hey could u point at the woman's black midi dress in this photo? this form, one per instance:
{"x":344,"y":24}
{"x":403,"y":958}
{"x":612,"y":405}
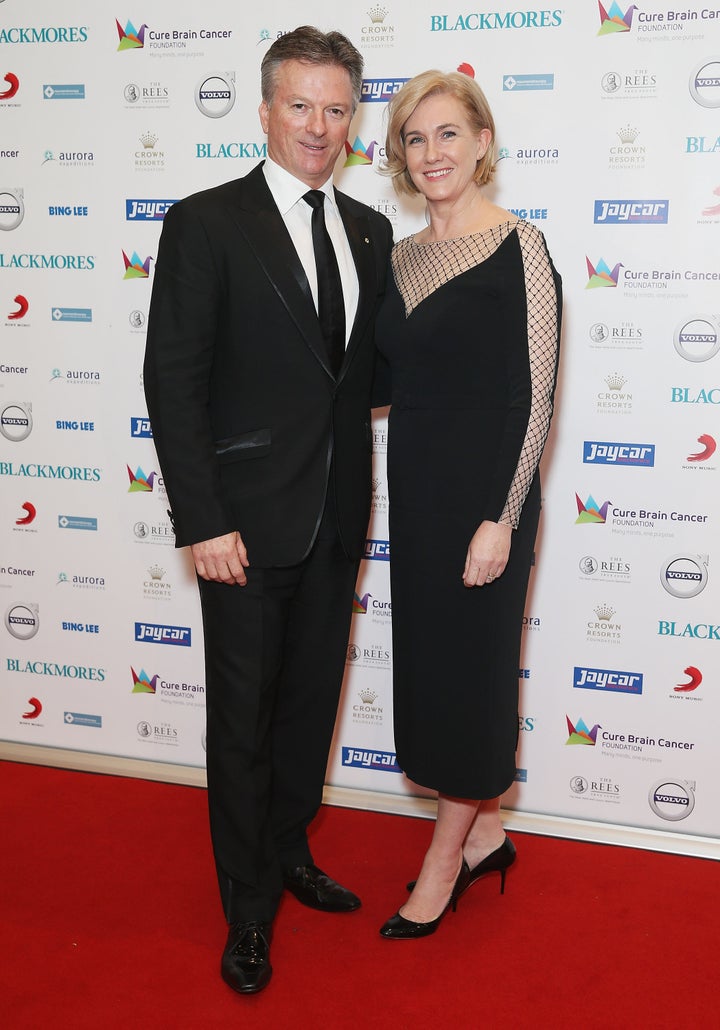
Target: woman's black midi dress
{"x":470,"y":331}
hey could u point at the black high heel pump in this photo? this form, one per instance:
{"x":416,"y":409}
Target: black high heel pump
{"x":399,"y":928}
{"x":498,"y":861}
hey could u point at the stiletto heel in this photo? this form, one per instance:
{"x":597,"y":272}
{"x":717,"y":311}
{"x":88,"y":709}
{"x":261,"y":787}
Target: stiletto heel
{"x":399,"y":928}
{"x":498,"y":861}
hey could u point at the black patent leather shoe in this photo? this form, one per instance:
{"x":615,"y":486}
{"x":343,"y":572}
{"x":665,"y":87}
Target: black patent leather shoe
{"x":399,"y":928}
{"x":314,"y":888}
{"x":246,"y":959}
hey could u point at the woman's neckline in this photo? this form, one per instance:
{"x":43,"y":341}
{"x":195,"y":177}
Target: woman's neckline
{"x":466,"y":236}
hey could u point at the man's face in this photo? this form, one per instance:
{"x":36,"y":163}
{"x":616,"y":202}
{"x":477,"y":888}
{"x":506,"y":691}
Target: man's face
{"x":307,"y":123}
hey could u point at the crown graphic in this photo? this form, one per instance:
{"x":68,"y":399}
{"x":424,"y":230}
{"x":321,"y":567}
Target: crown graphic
{"x":628,"y":134}
{"x":377,"y":14}
{"x":604,"y":612}
{"x":156,"y":572}
{"x":366,"y":695}
{"x":148,"y":140}
{"x":615,"y":381}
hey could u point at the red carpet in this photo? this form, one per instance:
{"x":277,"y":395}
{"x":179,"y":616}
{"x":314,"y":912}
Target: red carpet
{"x":110,"y":919}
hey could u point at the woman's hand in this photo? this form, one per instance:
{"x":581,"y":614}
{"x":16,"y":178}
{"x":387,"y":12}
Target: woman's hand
{"x":487,"y":554}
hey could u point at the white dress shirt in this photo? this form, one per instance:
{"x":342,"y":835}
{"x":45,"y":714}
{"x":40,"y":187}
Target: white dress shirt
{"x":287,"y":192}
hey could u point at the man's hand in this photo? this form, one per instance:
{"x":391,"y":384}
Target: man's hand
{"x":222,"y":559}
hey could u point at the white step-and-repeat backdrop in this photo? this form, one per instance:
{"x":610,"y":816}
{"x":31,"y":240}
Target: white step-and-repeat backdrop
{"x":608,"y":140}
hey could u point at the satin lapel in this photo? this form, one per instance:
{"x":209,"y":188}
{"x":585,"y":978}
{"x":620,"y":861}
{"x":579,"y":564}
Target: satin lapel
{"x":360,"y":240}
{"x":256,"y":216}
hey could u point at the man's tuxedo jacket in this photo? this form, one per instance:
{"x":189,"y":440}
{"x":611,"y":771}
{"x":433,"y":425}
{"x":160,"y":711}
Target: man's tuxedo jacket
{"x":245,"y":412}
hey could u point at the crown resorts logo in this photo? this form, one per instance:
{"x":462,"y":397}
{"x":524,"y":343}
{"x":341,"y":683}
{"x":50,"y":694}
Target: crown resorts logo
{"x":130,"y":37}
{"x":591,"y":512}
{"x":600,"y":275}
{"x":627,"y":153}
{"x":142,"y":683}
{"x":580,"y":734}
{"x":139,"y":482}
{"x":135,"y":267}
{"x":603,"y":630}
{"x":628,"y":134}
{"x":613,"y":20}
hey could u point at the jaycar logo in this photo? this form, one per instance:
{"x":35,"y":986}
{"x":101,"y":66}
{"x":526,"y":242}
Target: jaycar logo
{"x":154,"y":633}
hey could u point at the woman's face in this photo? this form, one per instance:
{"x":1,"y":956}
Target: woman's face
{"x":442,"y":149}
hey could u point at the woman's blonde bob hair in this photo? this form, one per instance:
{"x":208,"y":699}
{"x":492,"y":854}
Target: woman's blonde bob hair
{"x":430,"y":84}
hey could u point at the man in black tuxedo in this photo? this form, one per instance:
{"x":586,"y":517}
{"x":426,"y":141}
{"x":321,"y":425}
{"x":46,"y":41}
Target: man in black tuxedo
{"x":264,"y":440}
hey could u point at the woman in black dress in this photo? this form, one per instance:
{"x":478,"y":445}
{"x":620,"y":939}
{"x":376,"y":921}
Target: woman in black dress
{"x":470,"y":331}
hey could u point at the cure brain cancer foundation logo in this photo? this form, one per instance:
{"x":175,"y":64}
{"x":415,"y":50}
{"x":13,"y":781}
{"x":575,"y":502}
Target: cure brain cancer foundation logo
{"x":614,"y":20}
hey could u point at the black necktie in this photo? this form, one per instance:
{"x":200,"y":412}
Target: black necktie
{"x":331,"y":306}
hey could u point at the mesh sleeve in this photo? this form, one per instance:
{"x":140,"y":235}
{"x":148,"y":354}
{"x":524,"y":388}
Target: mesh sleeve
{"x":542,"y":288}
